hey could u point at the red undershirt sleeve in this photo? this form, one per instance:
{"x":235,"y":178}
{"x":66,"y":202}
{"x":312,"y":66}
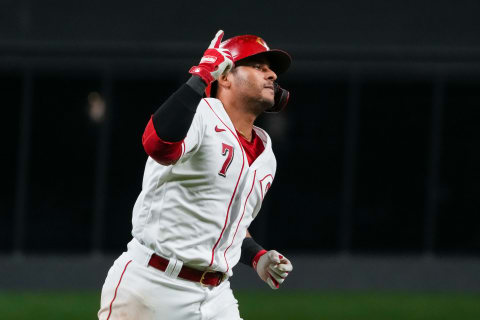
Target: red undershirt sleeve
{"x":164,"y":152}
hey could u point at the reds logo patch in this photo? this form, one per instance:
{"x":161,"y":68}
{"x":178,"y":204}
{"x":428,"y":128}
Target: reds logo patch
{"x":208,"y":59}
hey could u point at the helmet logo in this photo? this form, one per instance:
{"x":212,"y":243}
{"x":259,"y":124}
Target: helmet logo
{"x":262,"y":43}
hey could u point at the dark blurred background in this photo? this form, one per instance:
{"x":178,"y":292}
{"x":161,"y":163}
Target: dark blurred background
{"x":377,"y":152}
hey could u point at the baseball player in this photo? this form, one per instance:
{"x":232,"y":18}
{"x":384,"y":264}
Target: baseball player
{"x":208,"y":171}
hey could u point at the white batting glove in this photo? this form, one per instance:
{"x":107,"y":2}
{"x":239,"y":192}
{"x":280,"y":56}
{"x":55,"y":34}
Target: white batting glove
{"x":272,"y":267}
{"x":215,"y":61}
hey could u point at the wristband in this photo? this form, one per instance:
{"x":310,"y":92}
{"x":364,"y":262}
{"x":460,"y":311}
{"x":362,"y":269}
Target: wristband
{"x":250,"y":250}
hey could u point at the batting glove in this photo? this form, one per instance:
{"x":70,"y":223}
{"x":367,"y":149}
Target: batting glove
{"x":215,"y":61}
{"x":272,"y":267}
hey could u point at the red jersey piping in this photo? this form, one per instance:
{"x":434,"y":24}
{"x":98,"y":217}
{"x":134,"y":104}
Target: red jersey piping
{"x":115,"y":296}
{"x":235,"y":190}
{"x":244,"y":207}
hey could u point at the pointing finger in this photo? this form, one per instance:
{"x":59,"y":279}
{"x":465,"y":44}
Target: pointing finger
{"x":217,"y":40}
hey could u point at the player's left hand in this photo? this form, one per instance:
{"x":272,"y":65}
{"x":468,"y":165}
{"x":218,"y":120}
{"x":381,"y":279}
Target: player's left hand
{"x":272,"y":267}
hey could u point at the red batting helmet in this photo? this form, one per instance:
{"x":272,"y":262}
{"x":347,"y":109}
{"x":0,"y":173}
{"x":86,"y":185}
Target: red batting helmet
{"x":246,"y":46}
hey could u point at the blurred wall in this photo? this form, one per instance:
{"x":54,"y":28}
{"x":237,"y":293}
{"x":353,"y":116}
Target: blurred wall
{"x":377,"y":152}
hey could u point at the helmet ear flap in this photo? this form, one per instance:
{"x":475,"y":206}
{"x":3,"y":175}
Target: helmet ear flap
{"x":281,"y":99}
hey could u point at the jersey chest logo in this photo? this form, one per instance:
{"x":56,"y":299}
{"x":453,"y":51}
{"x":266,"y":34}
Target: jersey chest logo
{"x":217,"y":129}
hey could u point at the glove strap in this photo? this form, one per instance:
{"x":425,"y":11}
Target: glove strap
{"x":257,"y":257}
{"x":202,"y":73}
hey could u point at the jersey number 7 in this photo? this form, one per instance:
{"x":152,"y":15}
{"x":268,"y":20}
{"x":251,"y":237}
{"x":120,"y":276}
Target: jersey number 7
{"x":227,"y":150}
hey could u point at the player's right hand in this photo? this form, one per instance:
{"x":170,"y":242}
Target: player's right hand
{"x":215,"y":61}
{"x":272,"y":267}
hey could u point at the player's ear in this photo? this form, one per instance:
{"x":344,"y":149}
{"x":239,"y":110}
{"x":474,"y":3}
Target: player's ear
{"x":225,"y":80}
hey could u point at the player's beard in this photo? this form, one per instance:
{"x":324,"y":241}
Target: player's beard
{"x":255,"y":101}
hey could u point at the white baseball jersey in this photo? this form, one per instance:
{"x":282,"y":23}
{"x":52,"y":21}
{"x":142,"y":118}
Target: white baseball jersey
{"x":198,"y":209}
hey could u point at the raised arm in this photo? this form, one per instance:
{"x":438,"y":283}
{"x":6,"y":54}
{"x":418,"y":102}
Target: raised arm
{"x":168,"y":126}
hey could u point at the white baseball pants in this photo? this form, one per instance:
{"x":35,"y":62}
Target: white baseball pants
{"x":134,"y":290}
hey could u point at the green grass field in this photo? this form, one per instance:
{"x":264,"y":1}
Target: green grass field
{"x":268,"y":305}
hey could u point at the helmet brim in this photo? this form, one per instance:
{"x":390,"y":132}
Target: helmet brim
{"x":279,"y":60}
